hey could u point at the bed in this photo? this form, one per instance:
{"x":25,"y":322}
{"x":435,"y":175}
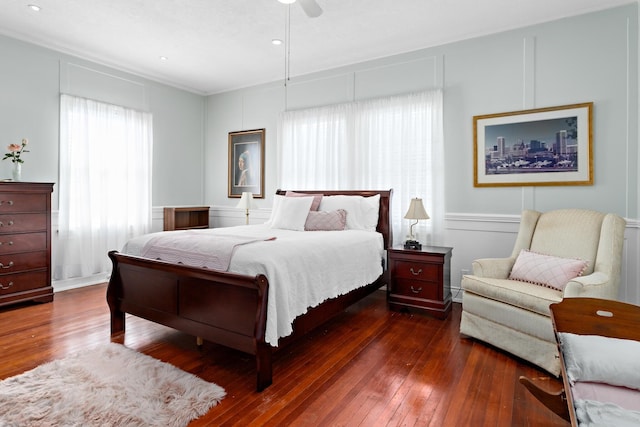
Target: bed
{"x":232,"y":308}
{"x":599,"y":346}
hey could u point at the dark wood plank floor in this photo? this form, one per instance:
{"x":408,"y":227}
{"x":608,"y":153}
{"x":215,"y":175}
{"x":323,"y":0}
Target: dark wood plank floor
{"x":366,"y":367}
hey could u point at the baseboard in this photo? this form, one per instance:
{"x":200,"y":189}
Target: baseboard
{"x":79,"y":282}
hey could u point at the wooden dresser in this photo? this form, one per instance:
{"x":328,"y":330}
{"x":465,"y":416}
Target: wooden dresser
{"x":25,"y":242}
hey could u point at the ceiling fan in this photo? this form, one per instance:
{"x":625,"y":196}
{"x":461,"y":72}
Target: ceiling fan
{"x":310,"y":7}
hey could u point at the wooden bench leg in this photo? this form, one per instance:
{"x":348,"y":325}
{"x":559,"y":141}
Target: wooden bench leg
{"x":557,"y":402}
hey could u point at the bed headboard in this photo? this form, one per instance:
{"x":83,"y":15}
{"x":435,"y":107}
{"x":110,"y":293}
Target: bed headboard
{"x":384,"y":216}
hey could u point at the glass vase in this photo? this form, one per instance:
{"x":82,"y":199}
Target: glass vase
{"x":17,"y":171}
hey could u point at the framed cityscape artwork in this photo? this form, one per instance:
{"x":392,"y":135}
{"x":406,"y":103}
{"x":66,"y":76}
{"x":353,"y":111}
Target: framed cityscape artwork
{"x":544,"y":146}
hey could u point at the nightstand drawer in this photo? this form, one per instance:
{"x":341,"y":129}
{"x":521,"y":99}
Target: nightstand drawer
{"x":415,"y":289}
{"x":416,"y":270}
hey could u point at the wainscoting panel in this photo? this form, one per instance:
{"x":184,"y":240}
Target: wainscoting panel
{"x":472,"y":236}
{"x":491,"y":236}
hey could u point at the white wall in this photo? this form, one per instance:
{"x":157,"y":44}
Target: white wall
{"x":589,"y":58}
{"x":31,"y":79}
{"x":592,"y":57}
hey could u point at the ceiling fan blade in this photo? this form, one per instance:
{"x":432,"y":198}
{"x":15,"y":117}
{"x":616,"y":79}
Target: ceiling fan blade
{"x":311,"y":8}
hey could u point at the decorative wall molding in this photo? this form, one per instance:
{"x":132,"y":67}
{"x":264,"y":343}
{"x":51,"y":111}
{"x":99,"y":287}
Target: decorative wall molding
{"x":472,"y":236}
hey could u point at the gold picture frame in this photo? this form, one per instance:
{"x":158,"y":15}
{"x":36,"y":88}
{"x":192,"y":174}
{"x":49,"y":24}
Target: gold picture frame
{"x":246,"y":163}
{"x":538,"y":147}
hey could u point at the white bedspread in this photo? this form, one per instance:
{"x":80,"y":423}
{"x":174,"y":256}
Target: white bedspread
{"x":304,"y":268}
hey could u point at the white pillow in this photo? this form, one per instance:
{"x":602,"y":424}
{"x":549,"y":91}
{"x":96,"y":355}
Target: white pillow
{"x":290,"y":213}
{"x":601,"y":359}
{"x":362,"y":212}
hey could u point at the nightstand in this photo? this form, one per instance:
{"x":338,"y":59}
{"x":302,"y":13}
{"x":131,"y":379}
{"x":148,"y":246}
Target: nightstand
{"x":186,"y":217}
{"x":420,"y":279}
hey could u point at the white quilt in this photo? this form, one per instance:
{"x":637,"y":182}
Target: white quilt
{"x":304,"y":268}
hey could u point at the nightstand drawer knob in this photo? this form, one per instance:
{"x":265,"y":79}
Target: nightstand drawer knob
{"x":6,"y":287}
{"x":415,"y":273}
{"x":416,"y":291}
{"x":6,"y":266}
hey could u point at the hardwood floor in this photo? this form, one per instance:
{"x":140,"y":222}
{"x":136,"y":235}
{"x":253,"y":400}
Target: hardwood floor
{"x":367,"y":366}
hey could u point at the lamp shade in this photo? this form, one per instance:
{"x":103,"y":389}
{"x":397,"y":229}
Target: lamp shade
{"x":246,"y":201}
{"x":416,"y":210}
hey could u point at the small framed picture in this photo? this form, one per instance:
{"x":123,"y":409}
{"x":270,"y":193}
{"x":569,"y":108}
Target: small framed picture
{"x":545,"y":146}
{"x":246,"y":163}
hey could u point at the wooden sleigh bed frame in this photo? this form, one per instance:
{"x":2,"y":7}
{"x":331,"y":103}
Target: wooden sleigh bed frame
{"x":221,"y":307}
{"x":584,"y":316}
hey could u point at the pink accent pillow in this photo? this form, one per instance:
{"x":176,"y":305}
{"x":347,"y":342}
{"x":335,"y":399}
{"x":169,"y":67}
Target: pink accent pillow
{"x":326,"y":221}
{"x":546,"y":270}
{"x":317,"y":198}
{"x":624,"y":397}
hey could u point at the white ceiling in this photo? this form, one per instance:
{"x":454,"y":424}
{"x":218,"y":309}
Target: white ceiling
{"x":218,"y":45}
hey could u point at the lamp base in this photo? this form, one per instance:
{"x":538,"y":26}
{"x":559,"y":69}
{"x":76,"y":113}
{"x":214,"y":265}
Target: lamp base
{"x":412,"y":244}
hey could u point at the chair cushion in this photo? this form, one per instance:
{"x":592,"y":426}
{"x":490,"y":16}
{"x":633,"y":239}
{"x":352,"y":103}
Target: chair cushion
{"x":514,"y":292}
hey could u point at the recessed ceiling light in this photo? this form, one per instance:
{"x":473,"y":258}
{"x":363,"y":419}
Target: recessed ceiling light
{"x":287,"y":1}
{"x":34,"y":7}
{"x":163,"y":58}
{"x":276,"y":42}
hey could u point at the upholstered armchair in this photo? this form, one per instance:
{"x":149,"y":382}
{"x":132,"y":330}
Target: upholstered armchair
{"x":514,"y":315}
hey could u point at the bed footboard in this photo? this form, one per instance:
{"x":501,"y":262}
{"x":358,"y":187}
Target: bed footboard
{"x":225,"y":308}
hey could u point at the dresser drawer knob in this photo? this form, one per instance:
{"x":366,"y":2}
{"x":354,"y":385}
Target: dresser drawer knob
{"x":6,"y":266}
{"x":10,"y":202}
{"x":415,"y":273}
{"x":10,"y":243}
{"x":6,"y":287}
{"x":416,"y":291}
{"x":2,"y":224}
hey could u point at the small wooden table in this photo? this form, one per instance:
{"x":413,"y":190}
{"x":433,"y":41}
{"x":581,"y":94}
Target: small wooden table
{"x":420,"y":279}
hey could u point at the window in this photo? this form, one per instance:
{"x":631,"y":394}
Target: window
{"x":393,"y":142}
{"x":105,"y":183}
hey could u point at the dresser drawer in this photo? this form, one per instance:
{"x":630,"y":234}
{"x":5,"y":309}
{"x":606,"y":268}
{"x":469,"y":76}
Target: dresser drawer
{"x":24,"y":261}
{"x":17,"y":223}
{"x":26,"y":242}
{"x":19,"y":282}
{"x":416,"y":270}
{"x":16,"y":202}
{"x":415,"y":289}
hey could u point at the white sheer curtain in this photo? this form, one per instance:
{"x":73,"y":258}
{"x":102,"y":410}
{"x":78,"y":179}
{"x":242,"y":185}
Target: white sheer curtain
{"x":394,"y":142}
{"x":105,"y":183}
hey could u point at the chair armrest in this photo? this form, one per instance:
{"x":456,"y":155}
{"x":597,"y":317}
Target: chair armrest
{"x":594,"y":285}
{"x":496,"y":268}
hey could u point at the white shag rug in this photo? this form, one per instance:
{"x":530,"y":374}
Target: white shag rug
{"x":107,"y":386}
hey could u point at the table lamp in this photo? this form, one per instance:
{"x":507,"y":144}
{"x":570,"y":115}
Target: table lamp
{"x":246,"y":203}
{"x":416,"y":211}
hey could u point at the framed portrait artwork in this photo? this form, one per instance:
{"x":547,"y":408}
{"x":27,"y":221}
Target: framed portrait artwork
{"x":545,"y":146}
{"x":246,"y":163}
